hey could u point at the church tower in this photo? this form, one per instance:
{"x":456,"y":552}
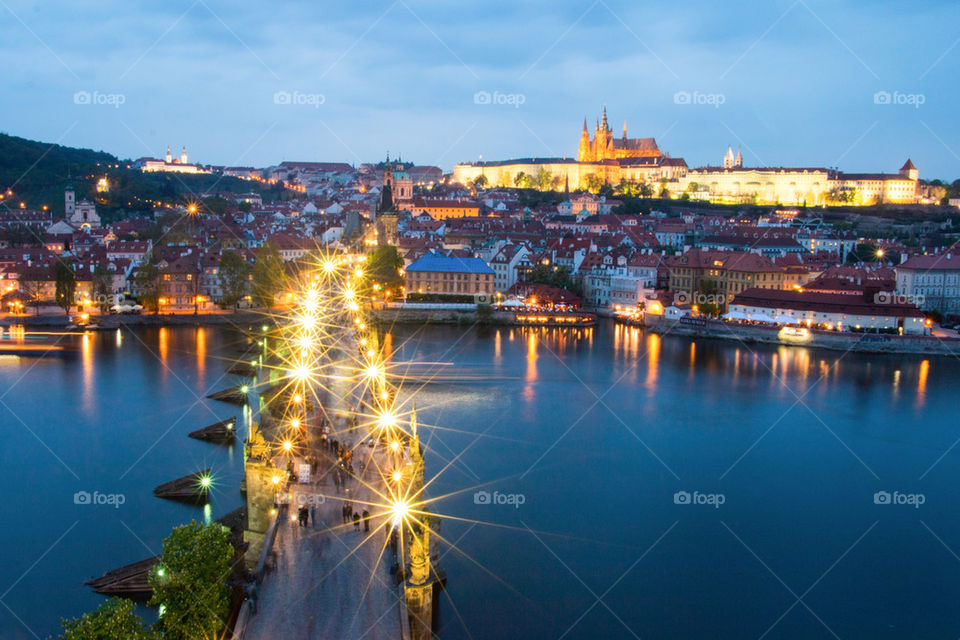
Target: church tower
{"x":739,"y":161}
{"x":69,"y":201}
{"x":169,"y":157}
{"x":728,"y":159}
{"x":183,"y":156}
{"x":584,"y":155}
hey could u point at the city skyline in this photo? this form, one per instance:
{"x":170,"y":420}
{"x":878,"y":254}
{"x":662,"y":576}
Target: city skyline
{"x":848,"y":85}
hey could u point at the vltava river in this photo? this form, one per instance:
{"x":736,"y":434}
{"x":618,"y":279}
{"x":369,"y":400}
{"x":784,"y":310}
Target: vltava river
{"x":606,"y":484}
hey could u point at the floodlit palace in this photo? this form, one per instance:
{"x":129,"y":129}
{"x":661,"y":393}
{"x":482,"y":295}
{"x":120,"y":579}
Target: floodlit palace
{"x":604,"y":158}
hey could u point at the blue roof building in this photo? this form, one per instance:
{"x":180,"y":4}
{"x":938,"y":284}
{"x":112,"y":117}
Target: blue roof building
{"x":437,"y":273}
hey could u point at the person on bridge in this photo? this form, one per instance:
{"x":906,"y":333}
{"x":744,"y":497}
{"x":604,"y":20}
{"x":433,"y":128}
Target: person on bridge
{"x":313,"y":515}
{"x":356,"y":521}
{"x":345,"y":512}
{"x":366,"y":520}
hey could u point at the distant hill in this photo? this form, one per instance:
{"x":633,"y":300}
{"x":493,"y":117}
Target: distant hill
{"x":38,"y":172}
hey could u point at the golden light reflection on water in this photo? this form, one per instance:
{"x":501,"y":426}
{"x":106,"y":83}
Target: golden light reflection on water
{"x":163,"y":346}
{"x":653,"y":359}
{"x":497,"y":348}
{"x":201,"y":354}
{"x":86,"y":356}
{"x":531,"y":357}
{"x":922,"y":381}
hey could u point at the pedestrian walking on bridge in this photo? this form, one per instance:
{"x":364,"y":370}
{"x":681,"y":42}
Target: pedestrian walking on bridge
{"x":356,"y":521}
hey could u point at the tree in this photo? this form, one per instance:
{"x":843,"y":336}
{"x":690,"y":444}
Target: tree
{"x":480,"y":182}
{"x":112,"y":619}
{"x":102,"y":287}
{"x":189,"y":582}
{"x":234,"y":275}
{"x":148,"y":285}
{"x":65,"y":282}
{"x":268,"y":272}
{"x":543,"y":180}
{"x":594,"y":182}
{"x":383,"y":267}
{"x":521,"y":180}
{"x":245,"y":206}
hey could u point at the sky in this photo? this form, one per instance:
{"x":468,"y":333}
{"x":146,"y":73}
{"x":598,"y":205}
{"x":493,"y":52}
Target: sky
{"x":857,"y":84}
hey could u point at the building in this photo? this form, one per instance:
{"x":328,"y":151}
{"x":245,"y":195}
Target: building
{"x":441,"y":209}
{"x":80,"y":215}
{"x":702,"y":277}
{"x":798,"y":185}
{"x":437,"y":273}
{"x":932,"y":282}
{"x":869,"y":310}
{"x":169,"y":164}
{"x":603,"y":146}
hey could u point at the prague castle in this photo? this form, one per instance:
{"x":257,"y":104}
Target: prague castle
{"x":602,"y":159}
{"x":605,"y":159}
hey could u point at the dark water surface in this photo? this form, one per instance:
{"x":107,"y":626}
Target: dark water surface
{"x":587,"y":441}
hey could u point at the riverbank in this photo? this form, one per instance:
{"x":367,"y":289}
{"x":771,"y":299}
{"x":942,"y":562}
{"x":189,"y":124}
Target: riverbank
{"x":107,"y":322}
{"x":460,"y":314}
{"x":772,"y":334}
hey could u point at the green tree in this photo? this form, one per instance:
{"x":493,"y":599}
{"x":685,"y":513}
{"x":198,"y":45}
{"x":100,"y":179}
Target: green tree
{"x":148,"y":285}
{"x":383,"y":268}
{"x":543,"y":180}
{"x":189,"y":582}
{"x":268,"y":272}
{"x":102,"y":287}
{"x":65,"y":282}
{"x":594,"y":183}
{"x":234,"y":275}
{"x":480,"y":182}
{"x":521,"y":180}
{"x":111,"y":620}
{"x":245,"y":206}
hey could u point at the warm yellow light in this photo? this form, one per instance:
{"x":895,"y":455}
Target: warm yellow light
{"x":386,"y":418}
{"x":397,"y":476}
{"x":295,"y":423}
{"x":399,"y":509}
{"x":395,"y":445}
{"x":287,"y":445}
{"x":276,"y":479}
{"x":297,"y":399}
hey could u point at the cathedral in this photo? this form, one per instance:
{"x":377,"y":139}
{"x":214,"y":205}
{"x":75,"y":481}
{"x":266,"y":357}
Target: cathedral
{"x":604,"y":146}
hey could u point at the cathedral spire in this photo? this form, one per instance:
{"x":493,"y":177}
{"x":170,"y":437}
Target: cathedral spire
{"x":624,"y":129}
{"x":585,"y":124}
{"x":603,"y":123}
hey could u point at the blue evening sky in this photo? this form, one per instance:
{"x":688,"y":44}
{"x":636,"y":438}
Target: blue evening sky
{"x":858,"y":84}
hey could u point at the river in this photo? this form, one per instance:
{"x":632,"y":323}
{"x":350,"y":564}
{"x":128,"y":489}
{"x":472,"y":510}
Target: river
{"x":592,"y":483}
